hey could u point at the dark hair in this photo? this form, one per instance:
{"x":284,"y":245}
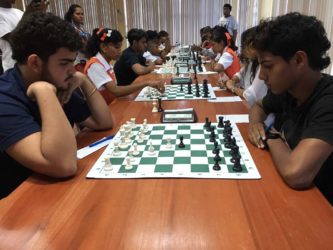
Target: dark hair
{"x":247,"y":38}
{"x":102,"y":36}
{"x":163,"y":33}
{"x":220,"y":34}
{"x":227,"y":6}
{"x":287,"y":34}
{"x":152,"y":35}
{"x":69,"y":14}
{"x":42,"y":34}
{"x":135,"y":35}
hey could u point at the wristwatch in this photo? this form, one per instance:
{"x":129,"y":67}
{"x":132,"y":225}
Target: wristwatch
{"x":272,"y":136}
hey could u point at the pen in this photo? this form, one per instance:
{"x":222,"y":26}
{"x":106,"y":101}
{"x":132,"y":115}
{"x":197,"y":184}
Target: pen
{"x":101,"y":140}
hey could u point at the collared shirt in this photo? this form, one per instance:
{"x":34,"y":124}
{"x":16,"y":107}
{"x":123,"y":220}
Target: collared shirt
{"x":19,"y":118}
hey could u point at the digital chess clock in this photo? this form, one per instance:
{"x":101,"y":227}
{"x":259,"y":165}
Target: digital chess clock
{"x":179,"y":116}
{"x":181,"y":80}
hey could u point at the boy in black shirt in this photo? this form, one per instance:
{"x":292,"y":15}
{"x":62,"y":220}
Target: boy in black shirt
{"x":131,"y":63}
{"x":292,"y":52}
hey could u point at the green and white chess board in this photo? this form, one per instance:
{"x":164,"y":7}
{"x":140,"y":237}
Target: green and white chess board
{"x":173,"y":70}
{"x":173,"y":92}
{"x":167,"y":160}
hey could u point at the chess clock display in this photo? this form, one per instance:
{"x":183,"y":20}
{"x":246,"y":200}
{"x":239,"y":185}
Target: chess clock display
{"x":181,"y":80}
{"x":179,"y":116}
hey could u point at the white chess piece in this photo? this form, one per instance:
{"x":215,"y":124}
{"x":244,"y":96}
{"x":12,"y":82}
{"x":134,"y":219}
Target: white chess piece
{"x":128,"y":165}
{"x":136,"y":152}
{"x":154,"y":110}
{"x":130,"y":155}
{"x":123,"y":144}
{"x":107,"y":165}
{"x":133,"y":122}
{"x":116,"y":151}
{"x":151,"y":149}
{"x":168,"y":145}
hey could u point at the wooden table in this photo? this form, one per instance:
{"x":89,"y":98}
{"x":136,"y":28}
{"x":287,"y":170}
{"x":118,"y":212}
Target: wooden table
{"x":80,"y":213}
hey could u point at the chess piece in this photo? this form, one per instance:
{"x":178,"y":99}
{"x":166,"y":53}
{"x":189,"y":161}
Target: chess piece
{"x":160,"y":109}
{"x":154,"y":110}
{"x":116,"y":151}
{"x":136,"y":152}
{"x":220,"y":124}
{"x":151,"y":149}
{"x":189,"y":89}
{"x":177,"y":71}
{"x":234,"y":158}
{"x":130,"y":155}
{"x":107,"y":164}
{"x":212,"y":136}
{"x":181,"y":144}
{"x":206,"y":122}
{"x":128,"y":165}
{"x":168,"y":145}
{"x":237,"y":166}
{"x":123,"y":144}
{"x":181,"y":87}
{"x":217,"y":155}
{"x":197,"y":93}
{"x":217,"y":166}
{"x":209,"y":127}
{"x":216,"y":146}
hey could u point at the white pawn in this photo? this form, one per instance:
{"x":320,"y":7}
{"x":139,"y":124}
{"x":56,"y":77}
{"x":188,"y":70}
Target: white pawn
{"x":168,"y":145}
{"x":133,"y":122}
{"x":128,"y":165}
{"x":136,"y":152}
{"x":140,"y":138}
{"x":116,"y":151}
{"x":154,"y":110}
{"x":151,"y":149}
{"x":123,"y":144}
{"x":107,"y":164}
{"x":130,"y":155}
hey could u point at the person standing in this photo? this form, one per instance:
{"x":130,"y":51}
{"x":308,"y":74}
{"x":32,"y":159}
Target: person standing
{"x":228,"y":21}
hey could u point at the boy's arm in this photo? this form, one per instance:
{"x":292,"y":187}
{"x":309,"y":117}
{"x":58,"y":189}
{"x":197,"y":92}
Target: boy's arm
{"x":52,"y":151}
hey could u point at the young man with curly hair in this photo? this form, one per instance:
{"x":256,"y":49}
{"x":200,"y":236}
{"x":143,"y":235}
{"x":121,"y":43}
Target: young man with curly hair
{"x":39,"y":102}
{"x":292,"y":51}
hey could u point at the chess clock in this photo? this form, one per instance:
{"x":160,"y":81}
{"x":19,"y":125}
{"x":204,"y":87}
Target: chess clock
{"x":179,"y":116}
{"x":181,"y":80}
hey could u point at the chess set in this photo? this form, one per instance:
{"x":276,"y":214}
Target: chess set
{"x":199,"y":150}
{"x":178,"y":92}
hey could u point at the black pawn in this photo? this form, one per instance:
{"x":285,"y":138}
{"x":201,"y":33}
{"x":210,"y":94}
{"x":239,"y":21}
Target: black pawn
{"x":205,"y":91}
{"x":217,"y":155}
{"x":181,"y":87}
{"x":220,"y":124}
{"x":181,"y":144}
{"x":216,"y":146}
{"x":237,"y":166}
{"x":160,"y":109}
{"x":177,"y":71}
{"x":197,"y":93}
{"x":209,"y":127}
{"x":206,"y":122}
{"x":212,"y":136}
{"x":216,"y":166}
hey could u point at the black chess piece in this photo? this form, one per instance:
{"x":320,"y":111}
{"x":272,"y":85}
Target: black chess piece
{"x":181,"y":87}
{"x":196,"y":86}
{"x":205,"y":93}
{"x":237,"y":166}
{"x":220,"y":124}
{"x":227,"y":141}
{"x":234,"y":150}
{"x":216,"y":166}
{"x":189,"y":89}
{"x":217,"y":155}
{"x":234,"y":158}
{"x":209,"y":127}
{"x":160,"y":109}
{"x":216,"y":146}
{"x":206,"y":122}
{"x":181,"y":144}
{"x":197,"y":93}
{"x":233,"y":141}
{"x":212,"y":136}
{"x":177,"y":71}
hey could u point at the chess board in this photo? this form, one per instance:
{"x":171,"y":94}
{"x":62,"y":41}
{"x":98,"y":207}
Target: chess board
{"x":173,"y":92}
{"x":195,"y":160}
{"x":182,"y":70}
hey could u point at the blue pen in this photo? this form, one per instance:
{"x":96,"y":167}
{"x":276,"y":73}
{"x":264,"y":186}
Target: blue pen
{"x":102,"y":140}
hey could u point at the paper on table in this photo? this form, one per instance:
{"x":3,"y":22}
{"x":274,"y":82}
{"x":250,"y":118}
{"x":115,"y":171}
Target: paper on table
{"x":226,"y":99}
{"x":216,"y":88}
{"x":83,"y":152}
{"x":235,"y":118}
